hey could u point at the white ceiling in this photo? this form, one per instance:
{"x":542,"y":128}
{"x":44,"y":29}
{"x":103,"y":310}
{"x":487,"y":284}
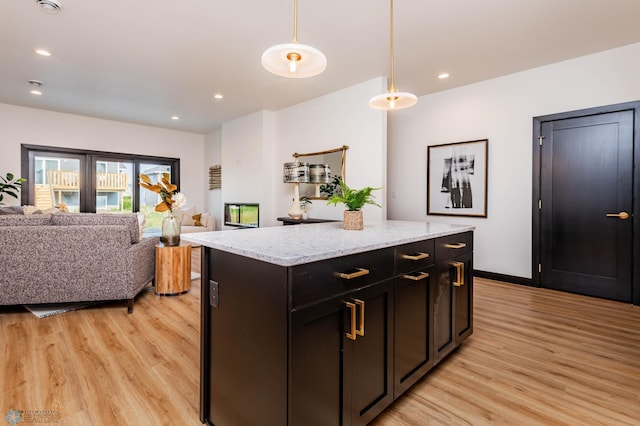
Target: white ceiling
{"x":142,"y":61}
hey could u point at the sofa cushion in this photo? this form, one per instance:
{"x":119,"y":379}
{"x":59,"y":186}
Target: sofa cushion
{"x":25,"y":220}
{"x":130,"y":220}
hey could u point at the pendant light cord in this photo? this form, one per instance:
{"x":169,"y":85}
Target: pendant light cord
{"x":392,"y":88}
{"x":295,"y":21}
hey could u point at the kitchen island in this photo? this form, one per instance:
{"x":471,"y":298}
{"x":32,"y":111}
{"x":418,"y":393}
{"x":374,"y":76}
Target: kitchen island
{"x":314,"y":325}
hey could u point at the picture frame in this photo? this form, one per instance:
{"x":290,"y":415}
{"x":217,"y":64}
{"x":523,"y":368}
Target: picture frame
{"x":457,"y":179}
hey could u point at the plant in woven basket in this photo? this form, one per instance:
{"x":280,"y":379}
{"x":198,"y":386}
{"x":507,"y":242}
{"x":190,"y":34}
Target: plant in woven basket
{"x":353,"y":199}
{"x":10,"y":185}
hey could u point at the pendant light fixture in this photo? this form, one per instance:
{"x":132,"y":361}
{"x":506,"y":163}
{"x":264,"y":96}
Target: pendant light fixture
{"x":294,"y":60}
{"x":393,"y":99}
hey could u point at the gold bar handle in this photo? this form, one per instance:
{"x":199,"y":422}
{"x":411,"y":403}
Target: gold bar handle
{"x":621,"y":215}
{"x":459,"y":282}
{"x":456,"y":245}
{"x":419,"y":276}
{"x":415,"y":256}
{"x":360,"y":329}
{"x":355,"y":274}
{"x":353,"y":334}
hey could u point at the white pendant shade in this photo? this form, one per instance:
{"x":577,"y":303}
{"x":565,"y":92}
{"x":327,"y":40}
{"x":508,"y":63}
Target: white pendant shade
{"x":393,"y":100}
{"x":294,"y":60}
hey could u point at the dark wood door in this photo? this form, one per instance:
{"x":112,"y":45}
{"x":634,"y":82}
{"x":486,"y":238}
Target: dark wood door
{"x":586,"y":205}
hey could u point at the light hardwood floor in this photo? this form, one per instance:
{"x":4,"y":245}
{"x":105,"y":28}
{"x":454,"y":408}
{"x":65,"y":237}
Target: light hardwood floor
{"x":536,"y":357}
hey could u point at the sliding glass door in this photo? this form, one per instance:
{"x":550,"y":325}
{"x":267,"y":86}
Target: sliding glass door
{"x":93,"y":181}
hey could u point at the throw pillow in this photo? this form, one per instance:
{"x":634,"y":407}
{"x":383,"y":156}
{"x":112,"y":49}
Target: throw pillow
{"x":11,"y":210}
{"x":30,"y":210}
{"x":142,"y":219}
{"x":187,"y":216}
{"x":196,"y":219}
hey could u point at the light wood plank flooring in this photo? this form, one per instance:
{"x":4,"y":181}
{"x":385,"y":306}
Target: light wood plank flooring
{"x":537,"y":357}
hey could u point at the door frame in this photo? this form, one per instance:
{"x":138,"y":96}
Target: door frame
{"x":536,"y":183}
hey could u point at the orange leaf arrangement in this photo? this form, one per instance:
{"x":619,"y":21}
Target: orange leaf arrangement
{"x":171,"y":198}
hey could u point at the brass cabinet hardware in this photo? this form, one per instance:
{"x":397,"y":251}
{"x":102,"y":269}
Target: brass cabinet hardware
{"x":353,"y":333}
{"x":360,"y":329}
{"x":358,"y":272}
{"x":418,"y":277}
{"x":459,"y":272}
{"x":621,"y":215}
{"x":456,"y":245}
{"x":415,"y":256}
{"x":356,"y":327}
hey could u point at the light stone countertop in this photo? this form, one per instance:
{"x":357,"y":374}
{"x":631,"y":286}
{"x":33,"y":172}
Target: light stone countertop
{"x":299,"y":244}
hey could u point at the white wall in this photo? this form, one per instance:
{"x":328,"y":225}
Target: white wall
{"x":39,"y":127}
{"x":255,"y":147}
{"x":501,"y":110}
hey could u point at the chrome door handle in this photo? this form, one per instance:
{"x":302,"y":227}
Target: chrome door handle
{"x":621,"y":215}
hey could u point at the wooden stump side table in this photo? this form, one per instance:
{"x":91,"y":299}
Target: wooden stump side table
{"x":173,"y":269}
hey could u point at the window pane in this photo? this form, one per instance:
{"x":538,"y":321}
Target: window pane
{"x":114,"y":180}
{"x":57,"y":180}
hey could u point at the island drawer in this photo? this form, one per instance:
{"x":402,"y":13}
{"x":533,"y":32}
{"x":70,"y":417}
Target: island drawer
{"x":317,"y":281}
{"x":413,"y":256}
{"x":453,"y":245}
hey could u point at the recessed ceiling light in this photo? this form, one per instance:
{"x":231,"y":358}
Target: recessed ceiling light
{"x":35,"y":92}
{"x":175,"y":117}
{"x":43,"y":52}
{"x":49,"y":6}
{"x":218,"y":96}
{"x":443,"y":75}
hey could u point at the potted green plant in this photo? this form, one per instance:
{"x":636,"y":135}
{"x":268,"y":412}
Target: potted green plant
{"x":354,"y":200}
{"x":10,"y":185}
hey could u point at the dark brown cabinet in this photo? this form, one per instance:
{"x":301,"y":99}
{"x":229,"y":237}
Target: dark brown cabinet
{"x":332,"y":342}
{"x":413,"y":349}
{"x":452,"y":293}
{"x":341,"y":358}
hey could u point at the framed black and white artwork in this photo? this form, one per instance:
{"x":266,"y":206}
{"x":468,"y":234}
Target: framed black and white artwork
{"x":457,"y":179}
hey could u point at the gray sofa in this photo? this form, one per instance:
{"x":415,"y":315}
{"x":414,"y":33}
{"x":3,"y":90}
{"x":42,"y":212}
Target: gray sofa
{"x":73,"y":257}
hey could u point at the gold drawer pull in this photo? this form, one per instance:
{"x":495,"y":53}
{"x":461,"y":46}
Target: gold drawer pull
{"x":352,"y":307}
{"x":360,"y":330}
{"x":358,"y":272}
{"x":459,"y":282}
{"x":415,"y":256}
{"x":418,"y":277}
{"x":456,"y":245}
{"x":357,"y":327}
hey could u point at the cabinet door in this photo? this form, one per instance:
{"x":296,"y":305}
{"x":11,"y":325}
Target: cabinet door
{"x":413,"y":348}
{"x":336,"y":379}
{"x":463,"y":297}
{"x":315,"y":382}
{"x":368,"y":360}
{"x":442,"y":296}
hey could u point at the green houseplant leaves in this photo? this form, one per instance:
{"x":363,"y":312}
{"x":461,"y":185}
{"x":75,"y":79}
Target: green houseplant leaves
{"x":353,"y":199}
{"x":10,"y":185}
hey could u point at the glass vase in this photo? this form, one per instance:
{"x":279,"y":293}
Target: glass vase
{"x":171,"y":230}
